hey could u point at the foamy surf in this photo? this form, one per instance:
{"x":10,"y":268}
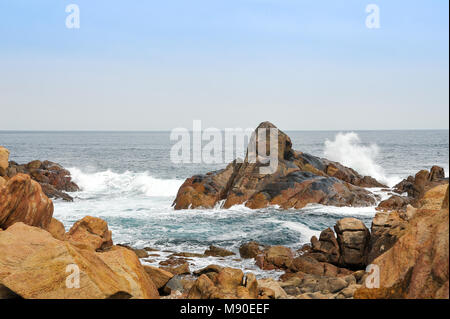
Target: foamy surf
{"x":127,"y":182}
{"x":348,"y":150}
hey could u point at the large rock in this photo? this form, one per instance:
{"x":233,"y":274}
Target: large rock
{"x":275,"y":257}
{"x":387,"y":228}
{"x":90,"y":233}
{"x":228,"y":283}
{"x":159,"y":276}
{"x":53,"y":178}
{"x":416,"y":266}
{"x":297,"y":180}
{"x":326,"y":246}
{"x":353,"y":238}
{"x":33,"y":264}
{"x":250,"y":250}
{"x":22,"y":200}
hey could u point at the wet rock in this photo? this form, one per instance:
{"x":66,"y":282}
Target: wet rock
{"x":218,"y":252}
{"x":53,"y":178}
{"x":188,"y":255}
{"x":208,"y":269}
{"x":250,"y":250}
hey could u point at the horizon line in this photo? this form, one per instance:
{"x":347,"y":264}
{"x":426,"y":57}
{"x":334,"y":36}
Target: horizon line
{"x":190,"y":130}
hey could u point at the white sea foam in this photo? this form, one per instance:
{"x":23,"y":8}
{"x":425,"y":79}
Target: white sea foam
{"x":305,"y":232}
{"x":348,"y":150}
{"x":127,"y":182}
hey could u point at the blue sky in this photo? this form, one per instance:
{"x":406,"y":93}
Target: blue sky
{"x":152,"y":65}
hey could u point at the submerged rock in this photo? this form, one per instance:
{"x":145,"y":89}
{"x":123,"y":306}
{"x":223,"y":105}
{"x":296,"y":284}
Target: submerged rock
{"x":297,"y":180}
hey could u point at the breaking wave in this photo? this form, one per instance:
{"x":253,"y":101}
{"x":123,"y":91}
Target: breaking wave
{"x":348,"y":149}
{"x":109,"y":182}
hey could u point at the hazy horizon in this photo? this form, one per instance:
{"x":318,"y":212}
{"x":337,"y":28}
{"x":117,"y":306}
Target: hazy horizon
{"x":156,"y":66}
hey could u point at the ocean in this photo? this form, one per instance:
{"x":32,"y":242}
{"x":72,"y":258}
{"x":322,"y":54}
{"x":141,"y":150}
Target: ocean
{"x":128,"y":179}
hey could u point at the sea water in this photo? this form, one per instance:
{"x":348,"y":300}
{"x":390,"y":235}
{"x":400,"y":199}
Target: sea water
{"x":128,"y":179}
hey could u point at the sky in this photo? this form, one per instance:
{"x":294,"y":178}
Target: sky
{"x":159,"y":65}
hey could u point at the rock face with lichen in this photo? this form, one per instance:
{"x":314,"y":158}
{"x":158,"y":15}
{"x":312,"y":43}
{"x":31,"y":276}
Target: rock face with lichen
{"x":297,"y":180}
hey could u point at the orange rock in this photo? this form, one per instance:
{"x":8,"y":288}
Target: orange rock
{"x":22,"y":200}
{"x":56,"y":228}
{"x":124,"y":263}
{"x":33,"y":264}
{"x":4,"y":158}
{"x":275,"y":257}
{"x":228,"y":283}
{"x":159,"y":276}
{"x":90,"y":232}
{"x":433,"y":199}
{"x":416,"y":266}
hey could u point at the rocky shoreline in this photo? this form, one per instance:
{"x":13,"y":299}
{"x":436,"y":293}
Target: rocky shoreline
{"x":407,"y":241}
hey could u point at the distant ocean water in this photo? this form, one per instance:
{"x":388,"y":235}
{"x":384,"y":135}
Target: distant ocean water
{"x":127,"y":179}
